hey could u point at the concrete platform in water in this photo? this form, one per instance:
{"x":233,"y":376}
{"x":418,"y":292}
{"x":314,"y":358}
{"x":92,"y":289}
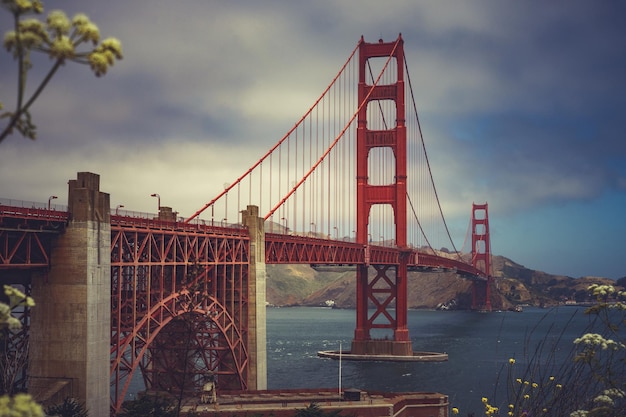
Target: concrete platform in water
{"x":416,"y":357}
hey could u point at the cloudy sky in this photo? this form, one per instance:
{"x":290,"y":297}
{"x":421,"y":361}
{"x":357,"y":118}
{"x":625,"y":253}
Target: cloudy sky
{"x":521,"y":105}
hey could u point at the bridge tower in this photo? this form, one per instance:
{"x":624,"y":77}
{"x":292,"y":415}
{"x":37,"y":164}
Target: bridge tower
{"x":70,"y":332}
{"x":481,"y":257}
{"x":382,"y":290}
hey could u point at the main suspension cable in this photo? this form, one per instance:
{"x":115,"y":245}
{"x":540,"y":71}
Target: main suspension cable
{"x":430,"y":173}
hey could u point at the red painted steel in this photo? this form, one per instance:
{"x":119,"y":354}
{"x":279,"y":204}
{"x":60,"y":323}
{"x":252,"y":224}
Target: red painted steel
{"x":26,"y":236}
{"x":289,"y":249}
{"x":481,"y":257}
{"x":393,"y":194}
{"x":295,"y":249}
{"x":179,"y":305}
{"x":179,"y":291}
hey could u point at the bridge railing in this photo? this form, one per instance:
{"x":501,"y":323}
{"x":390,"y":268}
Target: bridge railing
{"x":32,"y":210}
{"x":31,"y":204}
{"x":128,"y":219}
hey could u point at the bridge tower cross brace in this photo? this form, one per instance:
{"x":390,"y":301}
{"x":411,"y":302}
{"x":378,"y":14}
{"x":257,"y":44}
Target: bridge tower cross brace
{"x":481,"y":257}
{"x":392,"y":194}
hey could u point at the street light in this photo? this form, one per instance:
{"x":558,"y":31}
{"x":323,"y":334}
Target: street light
{"x":285,"y":227}
{"x":336,"y":232}
{"x":52,"y":197}
{"x":119,"y":206}
{"x":158,"y":199}
{"x":313,"y":228}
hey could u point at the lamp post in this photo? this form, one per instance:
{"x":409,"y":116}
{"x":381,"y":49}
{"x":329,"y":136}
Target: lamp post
{"x":158,"y":199}
{"x":313,"y":228}
{"x":336,"y":232}
{"x":118,"y":207}
{"x":52,"y":197}
{"x":285,"y":226}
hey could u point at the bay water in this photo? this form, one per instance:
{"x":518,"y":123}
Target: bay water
{"x":479,"y":348}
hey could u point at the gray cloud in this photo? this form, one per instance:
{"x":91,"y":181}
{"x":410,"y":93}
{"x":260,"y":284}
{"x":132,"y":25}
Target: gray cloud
{"x":520,"y":103}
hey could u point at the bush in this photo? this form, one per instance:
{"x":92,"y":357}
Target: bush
{"x":70,"y":407}
{"x":148,"y":405}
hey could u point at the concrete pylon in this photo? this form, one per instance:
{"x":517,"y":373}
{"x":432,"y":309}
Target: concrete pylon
{"x":257,"y":343}
{"x":70,"y":334}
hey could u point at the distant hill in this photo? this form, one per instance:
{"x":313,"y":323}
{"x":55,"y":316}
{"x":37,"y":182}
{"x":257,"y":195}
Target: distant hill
{"x":289,"y":285}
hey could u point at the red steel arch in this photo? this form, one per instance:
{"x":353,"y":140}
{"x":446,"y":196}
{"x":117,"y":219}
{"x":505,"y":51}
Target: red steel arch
{"x":167,"y":272}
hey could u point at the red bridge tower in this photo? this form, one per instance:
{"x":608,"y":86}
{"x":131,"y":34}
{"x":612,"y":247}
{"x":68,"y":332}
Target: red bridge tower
{"x":382,"y":290}
{"x":481,"y":257}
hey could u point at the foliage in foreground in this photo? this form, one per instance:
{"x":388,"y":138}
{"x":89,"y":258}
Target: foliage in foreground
{"x":70,"y":407}
{"x":148,"y":405}
{"x":314,"y":410}
{"x":59,"y":38}
{"x":590,"y":383}
{"x":20,"y":404}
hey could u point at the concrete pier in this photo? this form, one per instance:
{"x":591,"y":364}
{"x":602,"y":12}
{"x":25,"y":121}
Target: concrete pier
{"x":413,"y":357}
{"x":257,"y":346}
{"x":70,"y":334}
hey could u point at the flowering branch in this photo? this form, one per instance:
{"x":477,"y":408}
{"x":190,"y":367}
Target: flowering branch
{"x":60,"y":39}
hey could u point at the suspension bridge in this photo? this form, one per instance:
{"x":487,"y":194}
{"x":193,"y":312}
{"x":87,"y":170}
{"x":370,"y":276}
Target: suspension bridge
{"x":178,"y":300}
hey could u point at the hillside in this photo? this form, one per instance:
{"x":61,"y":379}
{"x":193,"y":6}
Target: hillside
{"x":289,"y":285}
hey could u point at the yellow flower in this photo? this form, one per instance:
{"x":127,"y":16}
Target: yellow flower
{"x":511,"y":406}
{"x":58,"y":22}
{"x":526,"y":396}
{"x":484,"y":400}
{"x":62,"y":47}
{"x":89,"y":31}
{"x":455,"y":410}
{"x":559,"y":386}
{"x":20,"y":405}
{"x":526,"y":382}
{"x":551,"y":378}
{"x":518,"y":380}
{"x":535,"y":385}
{"x":98,"y":63}
{"x":511,"y":361}
{"x":114,"y":45}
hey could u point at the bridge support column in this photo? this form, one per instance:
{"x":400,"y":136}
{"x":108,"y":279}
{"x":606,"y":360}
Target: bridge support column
{"x":257,"y":344}
{"x":382,"y":291}
{"x":70,"y":335}
{"x":481,"y":257}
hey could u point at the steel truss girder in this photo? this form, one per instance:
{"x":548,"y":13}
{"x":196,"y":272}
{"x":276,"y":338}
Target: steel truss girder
{"x":420,"y":259}
{"x":161,"y":276}
{"x":26,"y":236}
{"x":287,"y":249}
{"x":25,"y":249}
{"x":294,"y":249}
